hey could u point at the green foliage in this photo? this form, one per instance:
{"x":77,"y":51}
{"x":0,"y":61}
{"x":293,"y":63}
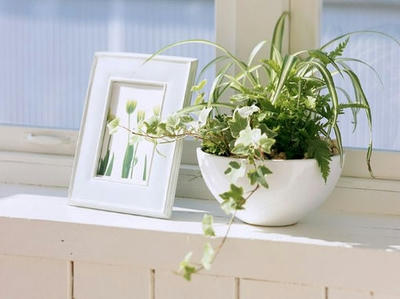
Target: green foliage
{"x":127,"y":163}
{"x":208,"y":256}
{"x":258,"y":175}
{"x":131,"y":106}
{"x":103,"y":163}
{"x":233,"y":199}
{"x":110,"y":166}
{"x":237,"y":124}
{"x":207,"y":225}
{"x":319,"y":149}
{"x":186,"y":268}
{"x":338,"y":51}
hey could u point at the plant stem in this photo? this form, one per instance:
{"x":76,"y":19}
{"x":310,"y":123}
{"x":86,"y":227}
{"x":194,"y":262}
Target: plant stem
{"x":225,"y":237}
{"x":171,"y":136}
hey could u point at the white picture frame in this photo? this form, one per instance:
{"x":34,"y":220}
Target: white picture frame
{"x":146,"y":186}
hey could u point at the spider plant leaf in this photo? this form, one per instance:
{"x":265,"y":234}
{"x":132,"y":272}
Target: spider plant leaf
{"x":238,"y":62}
{"x":359,"y":32}
{"x":277,"y":36}
{"x":255,"y":51}
{"x":330,"y":84}
{"x":325,"y":59}
{"x":345,"y":59}
{"x":354,"y":109}
{"x":208,"y":65}
{"x":287,"y":65}
{"x":110,"y":166}
{"x":216,"y":91}
{"x":236,"y":84}
{"x":338,"y":136}
{"x":359,"y":93}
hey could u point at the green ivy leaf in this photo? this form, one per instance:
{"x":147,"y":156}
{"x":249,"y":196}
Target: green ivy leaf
{"x":237,"y":124}
{"x":186,"y":268}
{"x":207,"y":225}
{"x":233,"y":199}
{"x":113,"y":125}
{"x":247,"y":111}
{"x":235,"y":171}
{"x":266,"y":144}
{"x":241,"y":150}
{"x":258,"y":175}
{"x":208,"y":256}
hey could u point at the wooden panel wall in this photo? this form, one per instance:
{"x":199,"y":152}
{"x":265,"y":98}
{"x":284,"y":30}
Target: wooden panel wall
{"x":40,"y":278}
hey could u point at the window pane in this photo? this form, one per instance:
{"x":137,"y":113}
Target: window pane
{"x":341,"y":16}
{"x":48,"y":46}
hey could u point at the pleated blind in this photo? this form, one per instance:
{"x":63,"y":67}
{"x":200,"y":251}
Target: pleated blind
{"x":47,"y":49}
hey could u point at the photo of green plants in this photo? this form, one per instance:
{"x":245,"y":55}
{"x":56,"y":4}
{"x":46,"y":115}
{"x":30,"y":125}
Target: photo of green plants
{"x":124,"y":156}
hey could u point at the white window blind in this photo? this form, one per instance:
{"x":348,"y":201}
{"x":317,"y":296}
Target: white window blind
{"x":341,"y":16}
{"x":47,"y":49}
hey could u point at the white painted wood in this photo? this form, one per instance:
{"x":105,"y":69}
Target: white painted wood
{"x":171,"y":286}
{"x":354,"y":200}
{"x":15,"y":138}
{"x":385,"y":296}
{"x":349,"y":245}
{"x":251,"y":289}
{"x":334,"y":293}
{"x":99,"y":281}
{"x":34,"y":168}
{"x":34,"y":278}
{"x":385,"y":165}
{"x":305,"y":19}
{"x":240,"y":33}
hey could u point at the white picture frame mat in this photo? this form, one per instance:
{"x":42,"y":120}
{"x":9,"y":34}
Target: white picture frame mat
{"x":161,"y":86}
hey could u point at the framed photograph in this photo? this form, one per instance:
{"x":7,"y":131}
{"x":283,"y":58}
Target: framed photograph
{"x":117,"y":171}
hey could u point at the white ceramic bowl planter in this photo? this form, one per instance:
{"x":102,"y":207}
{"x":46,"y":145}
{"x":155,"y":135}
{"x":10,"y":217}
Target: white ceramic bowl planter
{"x":295,"y":188}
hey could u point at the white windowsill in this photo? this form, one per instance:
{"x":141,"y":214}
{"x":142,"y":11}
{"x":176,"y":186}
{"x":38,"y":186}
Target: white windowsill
{"x":356,"y":248}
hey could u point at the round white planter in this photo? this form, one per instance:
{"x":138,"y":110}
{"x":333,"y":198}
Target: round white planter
{"x":296,"y":187}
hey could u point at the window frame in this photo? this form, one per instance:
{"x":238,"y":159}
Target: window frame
{"x":234,"y":30}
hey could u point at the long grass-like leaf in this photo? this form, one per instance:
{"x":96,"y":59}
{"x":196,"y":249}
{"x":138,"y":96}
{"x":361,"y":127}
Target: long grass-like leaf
{"x":216,"y":91}
{"x":255,"y":51}
{"x":330,"y":84}
{"x":127,"y":163}
{"x":208,"y":65}
{"x":277,"y":37}
{"x":103,"y":163}
{"x":287,"y":65}
{"x":145,"y":169}
{"x":110,"y":166}
{"x":359,"y":32}
{"x":237,"y":61}
{"x":345,"y":59}
{"x":354,"y":109}
{"x":359,"y":93}
{"x":339,"y":142}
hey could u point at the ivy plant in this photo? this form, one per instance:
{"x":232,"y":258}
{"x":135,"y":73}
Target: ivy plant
{"x":284,"y":106}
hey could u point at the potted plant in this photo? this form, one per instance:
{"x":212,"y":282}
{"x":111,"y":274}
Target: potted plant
{"x":273,"y":152}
